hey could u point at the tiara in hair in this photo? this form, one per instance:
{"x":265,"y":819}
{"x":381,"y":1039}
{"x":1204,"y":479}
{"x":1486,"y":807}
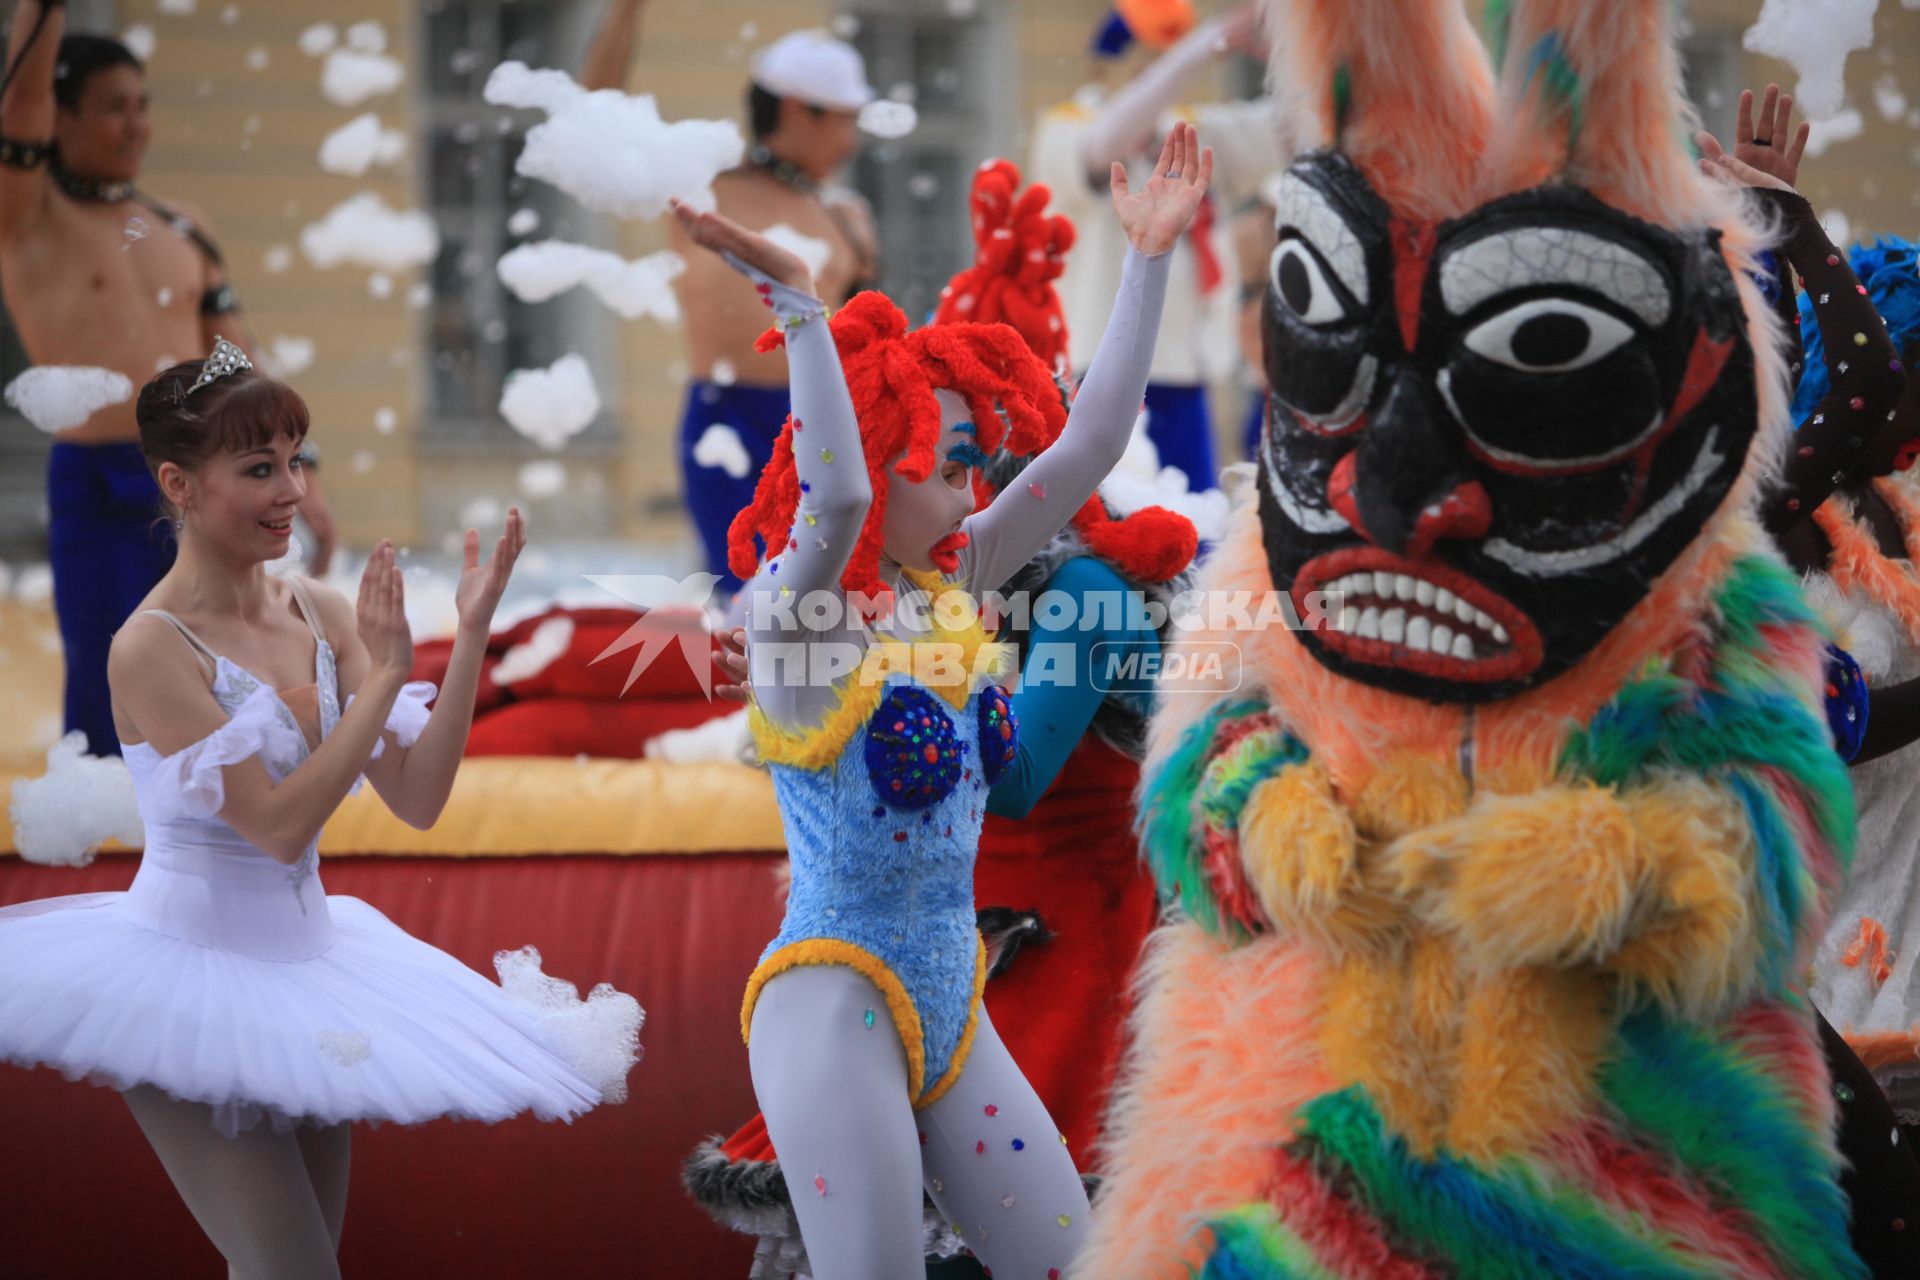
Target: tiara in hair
{"x":224,"y":359}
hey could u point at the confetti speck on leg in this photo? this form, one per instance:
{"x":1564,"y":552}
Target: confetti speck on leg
{"x":868,"y":1019}
{"x":1065,"y":1220}
{"x":980,"y":1148}
{"x":820,"y":1183}
{"x":826,"y":455}
{"x":1006,"y":1202}
{"x":992,"y":1110}
{"x":1019,"y":1145}
{"x":1037,"y":490}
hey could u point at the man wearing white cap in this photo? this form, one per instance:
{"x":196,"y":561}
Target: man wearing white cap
{"x":803,"y":102}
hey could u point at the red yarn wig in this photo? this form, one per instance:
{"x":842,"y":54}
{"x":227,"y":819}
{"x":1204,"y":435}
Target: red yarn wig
{"x":1019,"y":251}
{"x":892,"y":375}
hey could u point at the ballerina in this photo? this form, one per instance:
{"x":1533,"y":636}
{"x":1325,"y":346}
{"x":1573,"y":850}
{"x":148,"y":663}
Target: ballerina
{"x":246,"y":1017}
{"x":874,"y":1063}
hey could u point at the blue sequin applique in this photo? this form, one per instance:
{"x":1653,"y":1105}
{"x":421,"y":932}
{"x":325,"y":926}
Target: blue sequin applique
{"x":913,"y":753}
{"x":999,"y":732}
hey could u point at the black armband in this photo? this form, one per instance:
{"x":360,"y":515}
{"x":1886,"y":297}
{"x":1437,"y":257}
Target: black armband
{"x":16,"y":154}
{"x":220,"y":300}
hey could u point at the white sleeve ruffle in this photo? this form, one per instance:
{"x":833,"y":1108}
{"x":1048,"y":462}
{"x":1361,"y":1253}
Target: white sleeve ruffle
{"x":189,"y":784}
{"x":406,"y":722}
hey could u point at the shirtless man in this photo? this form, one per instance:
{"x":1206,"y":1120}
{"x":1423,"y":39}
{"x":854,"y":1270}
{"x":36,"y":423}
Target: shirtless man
{"x":94,"y":272}
{"x":806,"y":92}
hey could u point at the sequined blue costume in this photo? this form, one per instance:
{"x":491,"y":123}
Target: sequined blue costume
{"x":883,"y":811}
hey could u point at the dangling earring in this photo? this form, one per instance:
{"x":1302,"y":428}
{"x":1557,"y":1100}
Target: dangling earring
{"x":179,"y":523}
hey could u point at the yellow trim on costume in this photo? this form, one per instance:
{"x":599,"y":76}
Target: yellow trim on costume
{"x":965,"y":1047}
{"x":819,"y":746}
{"x":850,"y":955}
{"x":945,"y":663}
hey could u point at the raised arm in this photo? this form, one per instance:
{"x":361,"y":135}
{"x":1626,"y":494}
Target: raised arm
{"x":835,"y":493}
{"x":605,"y":66}
{"x":1058,"y":482}
{"x":159,"y":690}
{"x":1132,"y":114}
{"x":415,"y":779}
{"x":27,"y":112}
{"x":1863,"y":370}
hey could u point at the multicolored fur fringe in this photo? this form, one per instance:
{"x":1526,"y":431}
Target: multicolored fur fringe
{"x":1622,"y":1117}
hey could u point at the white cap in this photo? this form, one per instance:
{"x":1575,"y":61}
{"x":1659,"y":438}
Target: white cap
{"x":815,"y":68}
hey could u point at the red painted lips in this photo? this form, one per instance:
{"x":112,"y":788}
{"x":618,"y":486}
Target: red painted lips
{"x":1420,"y":616}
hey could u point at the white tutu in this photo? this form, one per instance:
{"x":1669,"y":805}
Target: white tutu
{"x":379,"y":1027}
{"x":227,"y":978}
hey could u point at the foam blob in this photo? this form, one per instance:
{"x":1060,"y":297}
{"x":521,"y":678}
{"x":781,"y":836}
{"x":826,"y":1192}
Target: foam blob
{"x":543,"y":478}
{"x":722,"y":740}
{"x":62,"y":818}
{"x":885,"y":118}
{"x":176,"y":8}
{"x":811,"y":250}
{"x":367,"y":37}
{"x":139,"y":39}
{"x":277,"y":258}
{"x":33,"y":583}
{"x":290,"y":355}
{"x":359,"y":144}
{"x":363,"y":231}
{"x":1140,"y":481}
{"x":548,"y":641}
{"x":612,"y":152}
{"x":1815,"y":36}
{"x":550,"y":406}
{"x":1841,"y":127}
{"x":599,"y":1036}
{"x":350,"y":77}
{"x":642,"y":287}
{"x":344,"y":1048}
{"x":1888,"y":98}
{"x":319,"y":38}
{"x":720,"y":446}
{"x":55,"y":397}
{"x":523,"y":222}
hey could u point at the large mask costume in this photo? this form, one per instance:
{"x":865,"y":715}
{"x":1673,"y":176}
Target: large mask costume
{"x":1494,"y":896}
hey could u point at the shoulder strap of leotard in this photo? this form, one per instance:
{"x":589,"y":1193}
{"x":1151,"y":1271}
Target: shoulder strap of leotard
{"x":307,"y":610}
{"x":199,"y":645}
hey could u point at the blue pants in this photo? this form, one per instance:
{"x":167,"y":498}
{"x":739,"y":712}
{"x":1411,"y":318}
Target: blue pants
{"x":109,"y":546}
{"x":1256,"y":423}
{"x":1181,"y":428}
{"x":713,"y":497}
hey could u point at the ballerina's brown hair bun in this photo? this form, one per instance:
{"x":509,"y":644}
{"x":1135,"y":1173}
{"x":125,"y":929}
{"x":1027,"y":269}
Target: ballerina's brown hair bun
{"x":233,"y":413}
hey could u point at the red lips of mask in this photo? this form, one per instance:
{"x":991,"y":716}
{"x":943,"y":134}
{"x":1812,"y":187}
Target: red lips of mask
{"x":945,"y":553}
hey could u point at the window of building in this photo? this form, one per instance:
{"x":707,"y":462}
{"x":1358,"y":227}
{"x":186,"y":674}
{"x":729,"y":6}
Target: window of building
{"x":950,"y":60}
{"x":476,"y":332}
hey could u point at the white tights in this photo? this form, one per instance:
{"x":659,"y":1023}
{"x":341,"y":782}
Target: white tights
{"x":856,"y":1155}
{"x":271,"y":1203}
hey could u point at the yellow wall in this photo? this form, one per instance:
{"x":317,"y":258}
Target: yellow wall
{"x":263,"y":187}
